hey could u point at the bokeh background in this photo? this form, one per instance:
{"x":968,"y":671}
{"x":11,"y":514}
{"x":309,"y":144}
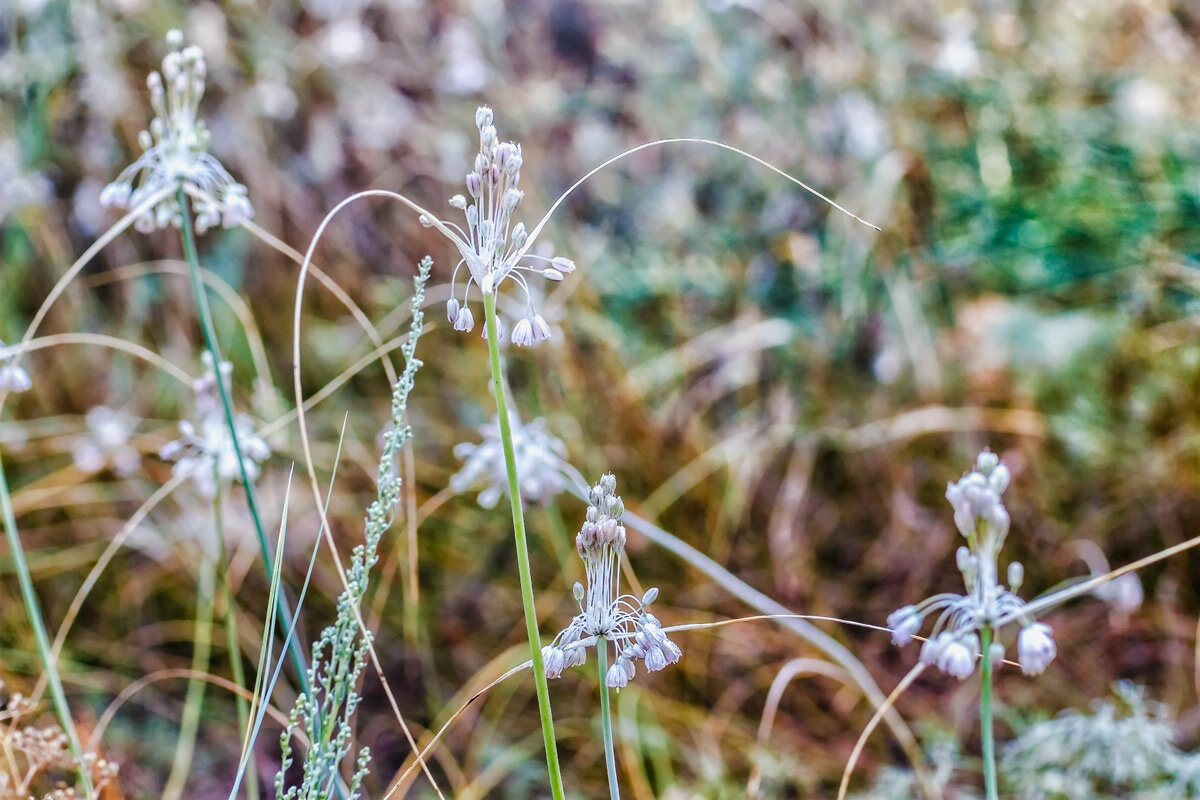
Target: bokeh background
{"x":784,"y":389}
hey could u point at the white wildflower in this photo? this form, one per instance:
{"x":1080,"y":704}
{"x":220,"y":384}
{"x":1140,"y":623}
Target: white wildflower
{"x":106,"y":442}
{"x":957,"y":657}
{"x":1035,"y":648}
{"x":176,"y":152}
{"x":206,"y":453}
{"x":494,"y":248}
{"x":538,"y":454}
{"x":981,"y":517}
{"x":13,"y":377}
{"x":605,"y":613}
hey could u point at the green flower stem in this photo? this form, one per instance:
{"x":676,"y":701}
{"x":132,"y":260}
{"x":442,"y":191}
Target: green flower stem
{"x":33,"y":609}
{"x":610,"y":757}
{"x":514,"y":496}
{"x":985,"y":718}
{"x":193,"y":703}
{"x":283,"y":610}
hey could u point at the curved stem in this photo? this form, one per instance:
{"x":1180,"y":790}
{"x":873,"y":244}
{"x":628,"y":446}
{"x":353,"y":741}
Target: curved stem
{"x":610,"y":757}
{"x":514,"y":495}
{"x":985,"y":718}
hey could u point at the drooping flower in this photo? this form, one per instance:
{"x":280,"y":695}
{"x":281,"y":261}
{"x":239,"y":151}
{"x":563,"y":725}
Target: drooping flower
{"x":176,"y":152}
{"x":1035,"y":648}
{"x":13,"y":377}
{"x":206,"y":452}
{"x":980,"y":516}
{"x":539,"y":457}
{"x":604,"y":613}
{"x":493,"y":247}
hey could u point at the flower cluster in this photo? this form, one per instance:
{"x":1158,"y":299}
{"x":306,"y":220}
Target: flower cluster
{"x":13,"y":377}
{"x":176,"y":152}
{"x":107,"y":442}
{"x":539,"y":457}
{"x":206,"y":453}
{"x":982,"y":519}
{"x":603,"y":612}
{"x":494,"y":249}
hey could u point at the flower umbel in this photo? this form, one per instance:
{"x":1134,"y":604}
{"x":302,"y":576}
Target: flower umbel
{"x":981,"y":517}
{"x":539,"y":455}
{"x":494,"y":249}
{"x":176,"y":152}
{"x":205,"y":453}
{"x":603,"y":611}
{"x":107,"y":442}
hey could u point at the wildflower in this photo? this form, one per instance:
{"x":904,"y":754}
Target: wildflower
{"x":1035,"y":648}
{"x":107,"y":442}
{"x":13,"y":377}
{"x":957,"y":658}
{"x":492,"y":247}
{"x":539,"y":459}
{"x":1124,"y":593}
{"x":206,"y":452}
{"x":904,"y":623}
{"x":604,"y":613}
{"x":176,"y":152}
{"x":980,"y":516}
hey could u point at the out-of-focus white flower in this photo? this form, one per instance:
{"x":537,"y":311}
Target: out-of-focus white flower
{"x":206,"y":452}
{"x":493,"y":248}
{"x":106,"y":442}
{"x":176,"y":152}
{"x":538,"y":456}
{"x":13,"y":377}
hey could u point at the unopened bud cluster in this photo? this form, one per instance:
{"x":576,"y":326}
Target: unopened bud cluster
{"x":954,"y":644}
{"x":176,"y":152}
{"x":494,"y":249}
{"x":603,"y":612}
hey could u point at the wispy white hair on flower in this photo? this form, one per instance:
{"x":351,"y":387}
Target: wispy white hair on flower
{"x":176,"y":152}
{"x":492,"y":247}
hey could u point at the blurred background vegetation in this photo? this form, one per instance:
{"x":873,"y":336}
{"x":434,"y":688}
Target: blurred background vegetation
{"x":782,"y":388}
